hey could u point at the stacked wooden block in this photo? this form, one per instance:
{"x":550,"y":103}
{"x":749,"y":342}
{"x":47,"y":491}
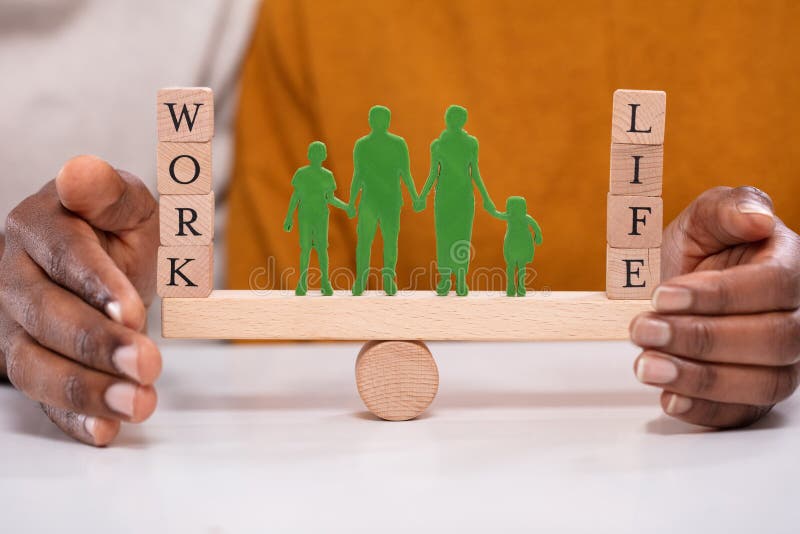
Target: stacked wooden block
{"x":185,"y":117}
{"x":635,"y":207}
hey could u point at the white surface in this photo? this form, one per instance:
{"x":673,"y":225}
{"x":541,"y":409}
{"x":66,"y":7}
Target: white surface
{"x":522,"y":437}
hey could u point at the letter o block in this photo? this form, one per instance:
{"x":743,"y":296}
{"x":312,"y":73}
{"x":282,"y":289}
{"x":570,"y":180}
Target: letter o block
{"x":184,"y":168}
{"x":185,"y":271}
{"x":632,"y":273}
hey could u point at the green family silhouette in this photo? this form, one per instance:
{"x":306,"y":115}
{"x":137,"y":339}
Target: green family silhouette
{"x":380,"y":164}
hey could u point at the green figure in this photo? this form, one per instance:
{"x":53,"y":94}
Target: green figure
{"x":313,"y":191}
{"x":454,"y":168}
{"x":518,"y":244}
{"x":380,"y":161}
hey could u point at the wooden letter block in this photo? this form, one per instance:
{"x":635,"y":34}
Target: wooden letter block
{"x":637,"y":169}
{"x":634,"y":222}
{"x":638,"y":117}
{"x":185,"y":271}
{"x":185,"y":114}
{"x":186,"y":219}
{"x":184,"y":168}
{"x":632,"y":273}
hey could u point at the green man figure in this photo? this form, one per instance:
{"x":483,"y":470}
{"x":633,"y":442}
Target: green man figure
{"x":380,"y":162}
{"x":454,"y":169}
{"x":314,"y":188}
{"x":518,"y":244}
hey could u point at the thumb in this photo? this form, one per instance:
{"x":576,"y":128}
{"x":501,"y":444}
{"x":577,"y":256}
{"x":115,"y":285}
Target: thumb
{"x":108,"y":199}
{"x":720,"y":218}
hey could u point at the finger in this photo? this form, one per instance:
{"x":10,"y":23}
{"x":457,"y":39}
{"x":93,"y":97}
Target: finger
{"x":717,"y":219}
{"x":72,"y":255}
{"x":750,"y":288}
{"x":56,"y":381}
{"x":62,"y":322}
{"x":108,"y":199}
{"x":763,"y":339}
{"x":96,"y":431}
{"x":728,"y":383}
{"x":710,"y":413}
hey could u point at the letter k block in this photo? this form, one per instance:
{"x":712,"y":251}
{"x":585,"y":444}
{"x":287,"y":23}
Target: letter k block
{"x":185,"y":271}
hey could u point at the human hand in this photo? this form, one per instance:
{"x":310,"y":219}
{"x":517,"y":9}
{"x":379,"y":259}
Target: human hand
{"x":489,"y":206}
{"x":351,"y":211}
{"x":287,"y":224}
{"x":420,"y":204}
{"x":724,"y":341}
{"x":76,"y":276}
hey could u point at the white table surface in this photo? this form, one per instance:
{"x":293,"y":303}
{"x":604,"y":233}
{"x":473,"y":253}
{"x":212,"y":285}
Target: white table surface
{"x":550,"y":437}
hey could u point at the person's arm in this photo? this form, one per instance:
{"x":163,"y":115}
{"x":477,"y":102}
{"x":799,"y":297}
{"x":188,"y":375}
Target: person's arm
{"x":433,"y":173}
{"x":503,"y":216}
{"x":537,"y":231}
{"x":488,"y":205}
{"x":724,"y":341}
{"x":288,"y":222}
{"x":405,"y":174}
{"x":355,"y":185}
{"x":76,"y":276}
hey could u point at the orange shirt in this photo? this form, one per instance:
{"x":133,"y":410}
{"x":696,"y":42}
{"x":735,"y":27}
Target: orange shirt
{"x":537,"y":79}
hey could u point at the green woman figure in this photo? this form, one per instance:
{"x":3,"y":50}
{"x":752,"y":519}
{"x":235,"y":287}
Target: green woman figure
{"x":454,"y":169}
{"x":518,"y":244}
{"x":314,"y":188}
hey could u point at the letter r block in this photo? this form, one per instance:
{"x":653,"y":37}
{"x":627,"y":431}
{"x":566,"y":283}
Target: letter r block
{"x":634,"y":221}
{"x":185,"y":114}
{"x":185,"y":271}
{"x":186,"y":219}
{"x":632,"y":273}
{"x":184,"y":168}
{"x":638,"y":117}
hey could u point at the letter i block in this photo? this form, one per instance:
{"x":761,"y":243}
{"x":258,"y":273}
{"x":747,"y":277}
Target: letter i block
{"x":184,"y":168}
{"x":638,"y":117}
{"x":637,"y":169}
{"x":185,"y":271}
{"x":632,"y":273}
{"x":634,"y":222}
{"x":186,"y":219}
{"x":185,"y":114}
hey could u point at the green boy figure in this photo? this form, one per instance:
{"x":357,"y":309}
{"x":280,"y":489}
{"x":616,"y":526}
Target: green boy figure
{"x":314,"y":188}
{"x":518,"y":244}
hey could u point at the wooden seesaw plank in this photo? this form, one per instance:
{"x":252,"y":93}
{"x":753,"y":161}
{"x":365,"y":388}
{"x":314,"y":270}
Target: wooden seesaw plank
{"x":413,"y":315}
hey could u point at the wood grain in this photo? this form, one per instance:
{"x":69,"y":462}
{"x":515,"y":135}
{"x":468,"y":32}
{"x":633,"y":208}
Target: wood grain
{"x":202,"y":129}
{"x":199,"y":271}
{"x":621,"y":225}
{"x":626,"y":160}
{"x":643,"y":268}
{"x":397,"y":380}
{"x":197,"y":213}
{"x":414,"y":315}
{"x":651,"y":107}
{"x":191,"y":173}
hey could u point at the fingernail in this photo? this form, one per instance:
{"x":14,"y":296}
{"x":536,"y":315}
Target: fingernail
{"x":649,"y":332}
{"x":114,"y":311}
{"x":126,"y":361}
{"x":753,"y":208}
{"x":678,"y":404}
{"x":119,"y":397}
{"x":90,"y":425}
{"x":653,"y":370}
{"x":669,"y":299}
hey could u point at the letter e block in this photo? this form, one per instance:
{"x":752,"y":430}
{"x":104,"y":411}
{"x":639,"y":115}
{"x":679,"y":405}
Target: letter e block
{"x":638,"y":117}
{"x":634,"y":222}
{"x":632,"y":273}
{"x":185,"y":271}
{"x":184,"y":168}
{"x":637,"y":169}
{"x":186,"y":219}
{"x":185,"y":114}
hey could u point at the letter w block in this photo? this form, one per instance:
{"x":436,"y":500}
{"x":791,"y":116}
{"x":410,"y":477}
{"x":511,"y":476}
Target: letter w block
{"x":185,"y":114}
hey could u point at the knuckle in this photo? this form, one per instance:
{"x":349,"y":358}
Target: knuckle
{"x":90,"y":346}
{"x":701,"y":339}
{"x":17,"y":367}
{"x":75,"y":393}
{"x":781,"y":385}
{"x":787,"y":338}
{"x":707,"y":378}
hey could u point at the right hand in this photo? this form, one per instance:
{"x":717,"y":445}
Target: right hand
{"x":287,"y":225}
{"x":420,"y":204}
{"x":76,"y":276}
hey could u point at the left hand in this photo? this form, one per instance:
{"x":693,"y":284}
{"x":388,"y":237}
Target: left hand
{"x":489,"y":206}
{"x":724,"y":340}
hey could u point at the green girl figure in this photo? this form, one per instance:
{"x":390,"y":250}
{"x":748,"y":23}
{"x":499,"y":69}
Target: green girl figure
{"x":454,"y":169}
{"x":314,"y":188}
{"x":518,"y":244}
